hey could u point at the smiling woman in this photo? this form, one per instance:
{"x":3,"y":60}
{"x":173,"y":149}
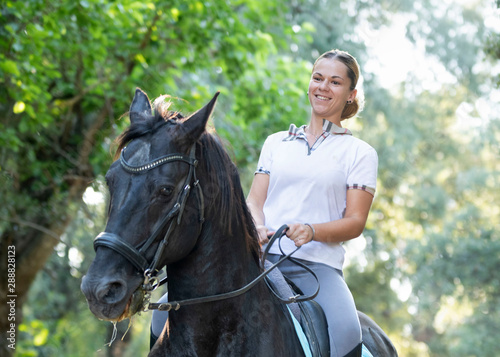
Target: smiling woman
{"x":327,"y":179}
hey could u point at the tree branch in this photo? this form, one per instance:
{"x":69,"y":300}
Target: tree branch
{"x":38,"y":227}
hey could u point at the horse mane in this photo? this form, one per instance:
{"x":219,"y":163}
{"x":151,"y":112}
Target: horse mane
{"x":219,"y":171}
{"x":223,"y":173}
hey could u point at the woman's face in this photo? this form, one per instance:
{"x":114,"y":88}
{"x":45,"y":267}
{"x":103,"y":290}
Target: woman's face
{"x":329,"y":89}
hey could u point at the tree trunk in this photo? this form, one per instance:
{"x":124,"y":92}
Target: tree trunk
{"x":28,"y":246}
{"x":30,"y":240}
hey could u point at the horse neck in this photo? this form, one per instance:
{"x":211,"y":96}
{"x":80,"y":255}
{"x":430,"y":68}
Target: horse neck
{"x":219,"y":263}
{"x":222,"y":263}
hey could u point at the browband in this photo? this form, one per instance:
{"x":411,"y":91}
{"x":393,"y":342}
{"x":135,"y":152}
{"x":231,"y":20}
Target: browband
{"x":155,"y":163}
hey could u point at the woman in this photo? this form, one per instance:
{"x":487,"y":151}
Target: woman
{"x":320,"y":180}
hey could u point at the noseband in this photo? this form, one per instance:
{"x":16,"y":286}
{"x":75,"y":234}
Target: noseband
{"x":135,"y":255}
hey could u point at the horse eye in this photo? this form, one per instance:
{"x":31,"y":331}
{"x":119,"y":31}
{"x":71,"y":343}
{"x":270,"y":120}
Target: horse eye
{"x":166,"y":191}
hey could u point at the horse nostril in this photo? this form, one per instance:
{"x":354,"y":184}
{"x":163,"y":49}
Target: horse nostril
{"x":111,"y":292}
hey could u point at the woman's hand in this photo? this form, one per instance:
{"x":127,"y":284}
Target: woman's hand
{"x":300,"y":233}
{"x":264,"y":234}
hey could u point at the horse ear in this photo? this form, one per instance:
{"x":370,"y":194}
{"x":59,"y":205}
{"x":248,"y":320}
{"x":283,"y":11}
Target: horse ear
{"x":140,"y":106}
{"x":195,"y":124}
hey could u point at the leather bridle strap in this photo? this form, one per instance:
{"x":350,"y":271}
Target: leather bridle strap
{"x":120,"y":246}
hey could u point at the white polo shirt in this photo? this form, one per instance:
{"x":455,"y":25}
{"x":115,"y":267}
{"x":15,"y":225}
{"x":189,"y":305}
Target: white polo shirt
{"x":309,"y":184}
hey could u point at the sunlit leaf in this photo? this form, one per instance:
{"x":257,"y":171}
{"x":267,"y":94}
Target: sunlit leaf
{"x":19,"y":107}
{"x":10,"y":67}
{"x":41,"y":337}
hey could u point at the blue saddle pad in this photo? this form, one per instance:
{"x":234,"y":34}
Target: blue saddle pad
{"x":365,"y":352}
{"x":302,"y":337}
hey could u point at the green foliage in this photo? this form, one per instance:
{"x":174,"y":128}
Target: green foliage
{"x":492,"y":47}
{"x":68,"y":70}
{"x":450,"y":36}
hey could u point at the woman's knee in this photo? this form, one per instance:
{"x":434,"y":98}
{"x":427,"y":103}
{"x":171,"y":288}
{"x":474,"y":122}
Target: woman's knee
{"x":345,"y":335}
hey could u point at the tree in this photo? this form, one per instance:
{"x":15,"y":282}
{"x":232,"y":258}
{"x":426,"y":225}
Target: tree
{"x":437,"y":194}
{"x":68,"y":69}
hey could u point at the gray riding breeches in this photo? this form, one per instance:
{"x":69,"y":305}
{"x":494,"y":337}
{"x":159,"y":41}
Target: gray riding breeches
{"x":334,"y":297}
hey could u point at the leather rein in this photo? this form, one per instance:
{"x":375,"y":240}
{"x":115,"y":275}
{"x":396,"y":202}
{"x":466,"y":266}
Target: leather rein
{"x":137,"y":255}
{"x":176,"y":305}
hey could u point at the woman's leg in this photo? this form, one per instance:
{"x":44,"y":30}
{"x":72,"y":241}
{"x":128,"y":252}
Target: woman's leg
{"x":335,"y":299}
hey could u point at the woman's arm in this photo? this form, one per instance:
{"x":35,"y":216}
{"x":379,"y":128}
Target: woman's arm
{"x":358,"y":203}
{"x":255,"y":201}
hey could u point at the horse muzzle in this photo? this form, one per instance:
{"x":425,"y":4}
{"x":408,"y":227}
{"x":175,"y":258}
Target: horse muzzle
{"x":110,"y":299}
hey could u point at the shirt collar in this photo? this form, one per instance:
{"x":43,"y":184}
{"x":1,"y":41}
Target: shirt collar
{"x":334,"y":129}
{"x":295,"y":132}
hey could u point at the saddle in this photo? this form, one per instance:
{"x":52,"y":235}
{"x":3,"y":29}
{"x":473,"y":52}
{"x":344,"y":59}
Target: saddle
{"x":308,"y":313}
{"x":314,"y":325}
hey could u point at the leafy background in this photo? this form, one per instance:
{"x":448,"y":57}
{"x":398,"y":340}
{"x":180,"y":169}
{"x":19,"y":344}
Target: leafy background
{"x":425,"y":266}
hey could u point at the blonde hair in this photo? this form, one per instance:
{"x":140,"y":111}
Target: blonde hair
{"x":352,"y":65}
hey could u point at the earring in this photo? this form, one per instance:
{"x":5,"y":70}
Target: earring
{"x":349,"y":101}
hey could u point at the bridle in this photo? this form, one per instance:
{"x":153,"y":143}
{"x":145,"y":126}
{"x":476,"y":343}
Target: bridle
{"x":137,"y":255}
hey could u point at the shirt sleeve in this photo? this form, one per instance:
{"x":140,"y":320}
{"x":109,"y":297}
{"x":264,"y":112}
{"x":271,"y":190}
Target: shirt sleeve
{"x":265,"y":159}
{"x":363,"y":172}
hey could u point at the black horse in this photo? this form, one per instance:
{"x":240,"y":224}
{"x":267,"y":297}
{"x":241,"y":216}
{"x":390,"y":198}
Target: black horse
{"x":160,"y":215}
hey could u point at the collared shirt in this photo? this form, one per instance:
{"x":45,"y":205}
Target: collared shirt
{"x":309,"y":184}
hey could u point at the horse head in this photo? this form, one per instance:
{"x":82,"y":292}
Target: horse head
{"x":156,"y":207}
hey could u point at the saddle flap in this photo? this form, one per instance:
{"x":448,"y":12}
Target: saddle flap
{"x":315,"y":326}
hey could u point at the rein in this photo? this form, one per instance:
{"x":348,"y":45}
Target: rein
{"x":176,"y":305}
